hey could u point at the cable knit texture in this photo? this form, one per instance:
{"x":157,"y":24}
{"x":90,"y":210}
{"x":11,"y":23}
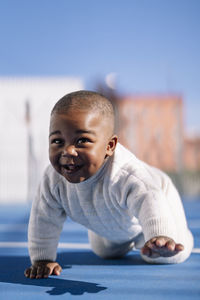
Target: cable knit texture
{"x":125,"y":198}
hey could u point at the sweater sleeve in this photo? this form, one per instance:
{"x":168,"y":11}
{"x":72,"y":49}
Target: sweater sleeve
{"x":46,"y":222}
{"x":150,"y":206}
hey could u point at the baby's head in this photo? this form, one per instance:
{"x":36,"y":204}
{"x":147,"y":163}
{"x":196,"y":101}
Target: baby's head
{"x":81,"y":134}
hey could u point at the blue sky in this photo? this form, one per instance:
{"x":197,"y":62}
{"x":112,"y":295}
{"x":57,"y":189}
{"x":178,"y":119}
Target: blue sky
{"x":152,"y":45}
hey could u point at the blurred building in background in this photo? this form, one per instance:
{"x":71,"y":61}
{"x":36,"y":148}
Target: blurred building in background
{"x":25,"y":105}
{"x":151,"y":126}
{"x":192,"y":153}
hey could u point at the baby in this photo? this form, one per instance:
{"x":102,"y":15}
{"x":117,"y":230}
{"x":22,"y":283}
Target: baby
{"x":123,"y":202}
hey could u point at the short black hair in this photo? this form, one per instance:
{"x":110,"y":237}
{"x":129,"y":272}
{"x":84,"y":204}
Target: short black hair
{"x":86,"y":100}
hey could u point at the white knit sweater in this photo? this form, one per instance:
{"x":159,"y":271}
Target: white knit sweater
{"x":124,"y":198}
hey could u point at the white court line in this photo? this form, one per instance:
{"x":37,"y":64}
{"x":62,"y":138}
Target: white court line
{"x":60,"y":245}
{"x":196,"y":250}
{"x":24,"y":226}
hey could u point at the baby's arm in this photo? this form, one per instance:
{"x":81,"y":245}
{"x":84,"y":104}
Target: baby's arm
{"x":43,"y":269}
{"x":45,"y":224}
{"x":161,"y":246}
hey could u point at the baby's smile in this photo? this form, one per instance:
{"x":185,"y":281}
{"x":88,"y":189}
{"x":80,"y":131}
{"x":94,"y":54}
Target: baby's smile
{"x":70,"y":168}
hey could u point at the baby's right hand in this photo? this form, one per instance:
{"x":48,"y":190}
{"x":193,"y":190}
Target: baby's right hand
{"x":43,"y":269}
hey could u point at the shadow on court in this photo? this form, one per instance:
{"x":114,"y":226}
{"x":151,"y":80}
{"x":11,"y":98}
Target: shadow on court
{"x":14,"y":267}
{"x":89,"y":258}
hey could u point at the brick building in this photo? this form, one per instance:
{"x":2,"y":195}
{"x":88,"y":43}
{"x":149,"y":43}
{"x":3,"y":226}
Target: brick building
{"x":151,"y":126}
{"x":192,"y":153}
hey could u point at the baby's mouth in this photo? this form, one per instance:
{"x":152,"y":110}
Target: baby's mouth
{"x":71,"y":168}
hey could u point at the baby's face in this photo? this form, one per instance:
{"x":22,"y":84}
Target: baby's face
{"x":79,"y":143}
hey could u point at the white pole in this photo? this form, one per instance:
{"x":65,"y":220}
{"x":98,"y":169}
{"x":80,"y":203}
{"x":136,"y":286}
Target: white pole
{"x":31,"y":161}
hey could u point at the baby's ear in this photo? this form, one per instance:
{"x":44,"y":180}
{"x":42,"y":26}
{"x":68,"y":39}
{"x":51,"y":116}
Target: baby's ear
{"x":111,"y":145}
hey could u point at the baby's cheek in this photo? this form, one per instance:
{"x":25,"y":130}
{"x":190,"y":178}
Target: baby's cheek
{"x":51,"y":159}
{"x":54,"y":160}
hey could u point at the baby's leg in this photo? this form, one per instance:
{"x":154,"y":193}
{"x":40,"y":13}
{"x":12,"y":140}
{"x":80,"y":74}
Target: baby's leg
{"x":107,"y":249}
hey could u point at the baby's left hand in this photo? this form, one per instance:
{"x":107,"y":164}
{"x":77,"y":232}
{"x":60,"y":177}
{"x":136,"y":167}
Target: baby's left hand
{"x":161,"y":246}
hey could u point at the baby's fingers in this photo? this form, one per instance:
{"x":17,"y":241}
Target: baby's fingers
{"x":41,"y":272}
{"x":57,"y":270}
{"x":33,"y":272}
{"x":179,"y":247}
{"x":163,"y":242}
{"x":47,"y":272}
{"x":27,"y":272}
{"x":149,"y":252}
{"x":52,"y":269}
{"x":171,"y":245}
{"x":146,"y":251}
{"x":37,"y":272}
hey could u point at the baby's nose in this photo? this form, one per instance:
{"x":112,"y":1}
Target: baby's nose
{"x":69,"y":150}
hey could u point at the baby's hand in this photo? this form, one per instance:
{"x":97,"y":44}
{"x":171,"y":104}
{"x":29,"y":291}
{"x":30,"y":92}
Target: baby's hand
{"x":43,"y":269}
{"x":161,"y":246}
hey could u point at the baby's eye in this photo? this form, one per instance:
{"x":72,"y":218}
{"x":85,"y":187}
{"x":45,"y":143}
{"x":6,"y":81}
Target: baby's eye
{"x":56,"y":141}
{"x":82,"y":141}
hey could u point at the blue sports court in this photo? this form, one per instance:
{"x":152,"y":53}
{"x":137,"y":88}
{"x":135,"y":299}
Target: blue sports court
{"x":85,"y":276}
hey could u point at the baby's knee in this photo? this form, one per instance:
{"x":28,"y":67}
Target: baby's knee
{"x":114,"y":252}
{"x":98,"y":245}
{"x":105,"y":253}
{"x":107,"y":249}
{"x":104,"y":250}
